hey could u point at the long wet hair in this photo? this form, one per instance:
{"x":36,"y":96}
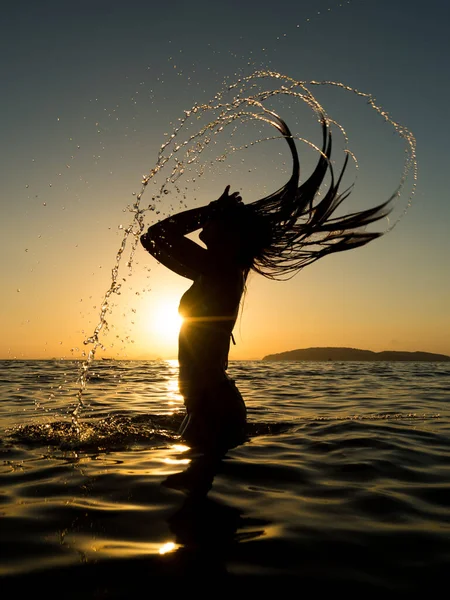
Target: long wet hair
{"x":293,"y":228}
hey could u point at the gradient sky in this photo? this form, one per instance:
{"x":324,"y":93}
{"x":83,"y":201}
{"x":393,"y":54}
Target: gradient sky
{"x":90,"y":88}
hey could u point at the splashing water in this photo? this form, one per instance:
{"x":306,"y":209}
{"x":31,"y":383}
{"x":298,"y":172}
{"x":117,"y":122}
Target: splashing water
{"x":235,"y":105}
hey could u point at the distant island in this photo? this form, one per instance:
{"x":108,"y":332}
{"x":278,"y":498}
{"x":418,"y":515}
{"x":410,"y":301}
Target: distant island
{"x":341,"y":354}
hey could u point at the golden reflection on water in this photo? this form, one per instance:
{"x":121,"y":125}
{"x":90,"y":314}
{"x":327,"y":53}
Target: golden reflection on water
{"x":174,"y":398}
{"x":168,"y":547}
{"x":168,"y":460}
{"x":177,"y":461}
{"x":115,"y":548}
{"x":173,"y":395}
{"x":180,"y":447}
{"x":171,"y":460}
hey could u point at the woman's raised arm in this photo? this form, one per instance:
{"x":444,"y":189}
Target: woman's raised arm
{"x":166,"y":239}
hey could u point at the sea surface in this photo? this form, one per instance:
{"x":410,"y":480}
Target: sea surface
{"x":344,"y":482}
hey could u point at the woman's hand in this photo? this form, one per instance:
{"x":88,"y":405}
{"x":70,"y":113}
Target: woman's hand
{"x":225,"y":202}
{"x":227,"y":197}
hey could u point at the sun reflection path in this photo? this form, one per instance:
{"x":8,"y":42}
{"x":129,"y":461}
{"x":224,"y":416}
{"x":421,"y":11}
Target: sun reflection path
{"x":168,"y":547}
{"x":124,"y":549}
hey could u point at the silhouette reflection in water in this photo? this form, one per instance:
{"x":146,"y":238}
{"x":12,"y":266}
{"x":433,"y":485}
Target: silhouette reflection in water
{"x":207,"y":529}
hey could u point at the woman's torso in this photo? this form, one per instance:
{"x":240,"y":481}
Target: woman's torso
{"x":209,"y":309}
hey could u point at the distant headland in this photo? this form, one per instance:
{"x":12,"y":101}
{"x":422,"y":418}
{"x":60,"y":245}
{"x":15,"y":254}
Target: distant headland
{"x":341,"y":354}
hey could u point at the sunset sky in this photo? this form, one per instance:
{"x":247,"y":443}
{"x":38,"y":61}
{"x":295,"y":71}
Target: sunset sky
{"x":89,"y":90}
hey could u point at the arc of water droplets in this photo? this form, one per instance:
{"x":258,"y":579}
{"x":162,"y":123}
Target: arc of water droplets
{"x":229,"y":112}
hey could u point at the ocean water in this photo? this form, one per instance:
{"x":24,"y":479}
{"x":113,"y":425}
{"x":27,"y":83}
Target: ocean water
{"x":344,"y":482}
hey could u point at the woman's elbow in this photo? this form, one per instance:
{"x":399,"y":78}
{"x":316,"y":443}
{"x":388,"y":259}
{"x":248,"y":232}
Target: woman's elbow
{"x":147,"y":242}
{"x":154,"y":242}
{"x":150,"y":242}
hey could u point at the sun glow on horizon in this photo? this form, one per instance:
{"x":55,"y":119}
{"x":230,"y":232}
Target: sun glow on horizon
{"x":165,"y":322}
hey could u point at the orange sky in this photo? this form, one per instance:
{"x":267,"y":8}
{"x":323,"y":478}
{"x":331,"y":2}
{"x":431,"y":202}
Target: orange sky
{"x":332,"y":303}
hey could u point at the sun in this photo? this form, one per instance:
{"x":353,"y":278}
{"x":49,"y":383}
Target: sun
{"x":165,"y":321}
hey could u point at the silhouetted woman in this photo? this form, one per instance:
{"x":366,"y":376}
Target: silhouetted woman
{"x":276,"y":237}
